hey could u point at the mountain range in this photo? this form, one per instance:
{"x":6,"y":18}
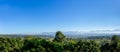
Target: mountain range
{"x":88,"y":33}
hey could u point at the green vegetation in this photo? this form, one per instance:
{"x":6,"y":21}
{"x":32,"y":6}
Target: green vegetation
{"x":59,"y":44}
{"x":59,"y":37}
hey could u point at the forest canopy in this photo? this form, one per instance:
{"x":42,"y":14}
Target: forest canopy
{"x":60,"y":43}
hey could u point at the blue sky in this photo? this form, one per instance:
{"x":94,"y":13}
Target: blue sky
{"x":35,"y":16}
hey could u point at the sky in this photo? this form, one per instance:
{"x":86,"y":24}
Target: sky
{"x":35,"y":16}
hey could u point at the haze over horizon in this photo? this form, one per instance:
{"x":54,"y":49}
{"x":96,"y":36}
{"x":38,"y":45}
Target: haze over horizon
{"x":22,"y":16}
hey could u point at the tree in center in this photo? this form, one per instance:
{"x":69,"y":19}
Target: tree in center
{"x":59,"y":37}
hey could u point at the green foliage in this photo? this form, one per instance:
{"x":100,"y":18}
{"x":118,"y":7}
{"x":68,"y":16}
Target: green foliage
{"x":70,"y":46}
{"x":87,"y":46}
{"x":32,"y":44}
{"x":113,"y":46}
{"x":59,"y":37}
{"x":10,"y":44}
{"x":115,"y":39}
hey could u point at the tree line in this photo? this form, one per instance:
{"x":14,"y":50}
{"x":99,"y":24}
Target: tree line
{"x":59,"y":44}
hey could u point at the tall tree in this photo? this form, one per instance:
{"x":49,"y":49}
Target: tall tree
{"x":115,"y":43}
{"x":59,"y":37}
{"x":115,"y":39}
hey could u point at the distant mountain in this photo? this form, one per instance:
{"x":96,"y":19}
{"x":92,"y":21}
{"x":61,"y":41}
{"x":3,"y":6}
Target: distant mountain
{"x":86,"y":34}
{"x":70,"y":34}
{"x":107,"y":31}
{"x":66,"y":33}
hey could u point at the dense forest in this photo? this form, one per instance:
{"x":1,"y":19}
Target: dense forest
{"x":60,"y":43}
